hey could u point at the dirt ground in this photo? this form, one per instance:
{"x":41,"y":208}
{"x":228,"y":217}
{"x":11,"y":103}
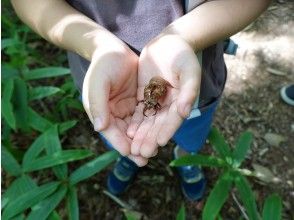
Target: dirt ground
{"x":251,"y":101}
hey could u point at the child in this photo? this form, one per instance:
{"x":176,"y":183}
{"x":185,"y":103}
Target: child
{"x":105,"y":39}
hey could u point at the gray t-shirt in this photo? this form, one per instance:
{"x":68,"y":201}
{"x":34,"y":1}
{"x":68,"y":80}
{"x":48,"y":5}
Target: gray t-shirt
{"x":136,"y":22}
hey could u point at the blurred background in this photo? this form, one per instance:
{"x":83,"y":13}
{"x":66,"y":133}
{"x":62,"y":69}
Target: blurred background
{"x":38,"y":92}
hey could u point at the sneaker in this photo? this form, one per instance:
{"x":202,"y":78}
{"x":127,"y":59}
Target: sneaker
{"x":193,"y":182}
{"x":121,"y":176}
{"x":287,"y":94}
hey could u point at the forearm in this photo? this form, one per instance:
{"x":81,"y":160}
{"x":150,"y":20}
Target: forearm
{"x":216,"y":20}
{"x":59,"y":23}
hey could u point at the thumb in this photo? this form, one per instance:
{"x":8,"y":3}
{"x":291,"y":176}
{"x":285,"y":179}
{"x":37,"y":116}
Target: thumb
{"x":95,"y":100}
{"x":189,"y":90}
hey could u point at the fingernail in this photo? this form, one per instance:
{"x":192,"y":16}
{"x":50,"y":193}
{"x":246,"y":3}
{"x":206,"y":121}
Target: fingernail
{"x":97,"y":124}
{"x":187,"y":110}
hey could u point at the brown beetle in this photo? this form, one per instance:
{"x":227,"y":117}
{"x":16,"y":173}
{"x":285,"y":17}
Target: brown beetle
{"x":155,"y":90}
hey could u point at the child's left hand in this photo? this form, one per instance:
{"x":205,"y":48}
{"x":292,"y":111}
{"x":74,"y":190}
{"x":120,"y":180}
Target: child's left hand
{"x":173,"y":59}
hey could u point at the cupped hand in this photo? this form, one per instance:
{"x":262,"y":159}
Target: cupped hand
{"x":173,"y":59}
{"x":109,"y":94}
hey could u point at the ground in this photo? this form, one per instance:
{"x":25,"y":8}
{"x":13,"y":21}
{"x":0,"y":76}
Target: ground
{"x":251,"y":101}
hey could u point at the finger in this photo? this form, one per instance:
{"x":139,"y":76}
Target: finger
{"x":95,"y":99}
{"x":140,"y":161}
{"x":149,"y":145}
{"x":189,"y":89}
{"x":169,"y":126}
{"x":136,"y":120}
{"x":141,"y":134}
{"x":117,"y":138}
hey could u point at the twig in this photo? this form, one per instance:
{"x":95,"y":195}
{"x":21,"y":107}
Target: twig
{"x":117,"y":200}
{"x":240,"y":207}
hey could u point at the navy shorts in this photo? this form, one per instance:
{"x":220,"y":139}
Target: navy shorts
{"x":192,"y":134}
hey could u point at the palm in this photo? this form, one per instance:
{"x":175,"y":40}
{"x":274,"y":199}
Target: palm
{"x":145,"y":130}
{"x":173,"y":60}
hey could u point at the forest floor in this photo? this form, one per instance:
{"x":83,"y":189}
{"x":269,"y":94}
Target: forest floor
{"x":251,"y":101}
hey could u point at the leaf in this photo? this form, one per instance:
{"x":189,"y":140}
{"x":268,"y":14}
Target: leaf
{"x":20,"y":104}
{"x":29,"y":199}
{"x":19,"y":186}
{"x":242,"y":147}
{"x":247,"y":196}
{"x":182,"y":213}
{"x":274,"y":139}
{"x":64,"y":126}
{"x":8,"y":72}
{"x":57,"y":158}
{"x":217,"y":197}
{"x":202,"y":160}
{"x":54,"y":216}
{"x":34,"y":150}
{"x":42,"y":92}
{"x":264,"y":174}
{"x":219,"y":144}
{"x":272,"y":209}
{"x":6,"y":106}
{"x":8,"y":42}
{"x":43,"y":209}
{"x":133,"y":215}
{"x":37,"y":122}
{"x":94,"y":166}
{"x":9,"y":164}
{"x":72,"y":204}
{"x":46,"y":72}
{"x":53,"y":145}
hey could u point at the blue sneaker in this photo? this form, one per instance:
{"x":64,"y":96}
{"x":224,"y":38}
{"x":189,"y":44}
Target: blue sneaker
{"x":121,"y":176}
{"x":193,"y":182}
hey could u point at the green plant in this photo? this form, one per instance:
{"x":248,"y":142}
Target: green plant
{"x":45,"y":152}
{"x":229,"y":161}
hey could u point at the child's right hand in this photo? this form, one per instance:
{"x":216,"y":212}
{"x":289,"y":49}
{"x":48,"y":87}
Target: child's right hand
{"x":109,"y":94}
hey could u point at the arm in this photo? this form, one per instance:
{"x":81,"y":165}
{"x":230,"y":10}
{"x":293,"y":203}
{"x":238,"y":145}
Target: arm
{"x":59,"y":23}
{"x":215,"y":20}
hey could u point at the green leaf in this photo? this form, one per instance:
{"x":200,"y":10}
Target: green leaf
{"x":9,"y":164}
{"x":57,"y":158}
{"x":54,"y":216}
{"x":37,"y":122}
{"x":6,"y":106}
{"x":29,"y":199}
{"x":19,"y":186}
{"x":53,"y":145}
{"x":272,"y":209}
{"x":247,"y":196}
{"x":43,"y":209}
{"x":94,"y":166}
{"x":20,"y":104}
{"x":133,"y":215}
{"x":201,"y":160}
{"x":8,"y":42}
{"x":64,"y":126}
{"x":242,"y":147}
{"x":182,"y":213}
{"x":46,"y":72}
{"x":72,"y":204}
{"x":8,"y":72}
{"x":42,"y":92}
{"x":35,"y":149}
{"x":219,"y":144}
{"x":217,"y":197}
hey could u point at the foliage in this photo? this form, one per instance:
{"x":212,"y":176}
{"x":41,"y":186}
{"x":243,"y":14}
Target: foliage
{"x":229,"y":161}
{"x":35,"y":109}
